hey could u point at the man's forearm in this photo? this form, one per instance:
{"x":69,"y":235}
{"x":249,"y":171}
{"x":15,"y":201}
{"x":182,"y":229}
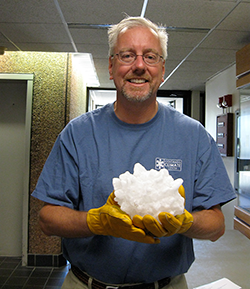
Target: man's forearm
{"x":63,"y":222}
{"x":207,"y":224}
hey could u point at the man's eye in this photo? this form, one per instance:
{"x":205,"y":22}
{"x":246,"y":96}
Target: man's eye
{"x":127,"y":55}
{"x":150,"y":56}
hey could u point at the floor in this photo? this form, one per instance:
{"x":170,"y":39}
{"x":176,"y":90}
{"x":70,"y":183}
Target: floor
{"x":228,"y":257}
{"x":14,"y":276}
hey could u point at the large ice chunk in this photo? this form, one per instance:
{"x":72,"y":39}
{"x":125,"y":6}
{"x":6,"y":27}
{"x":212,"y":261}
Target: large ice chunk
{"x":148,"y":192}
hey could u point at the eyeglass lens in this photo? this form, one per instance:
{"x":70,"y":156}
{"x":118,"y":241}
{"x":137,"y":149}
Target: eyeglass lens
{"x":129,"y":57}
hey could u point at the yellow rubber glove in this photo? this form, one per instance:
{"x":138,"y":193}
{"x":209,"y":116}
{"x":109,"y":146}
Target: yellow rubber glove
{"x":111,"y":220}
{"x":169,"y":225}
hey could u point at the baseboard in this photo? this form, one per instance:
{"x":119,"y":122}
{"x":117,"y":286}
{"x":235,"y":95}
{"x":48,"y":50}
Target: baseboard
{"x":37,"y":260}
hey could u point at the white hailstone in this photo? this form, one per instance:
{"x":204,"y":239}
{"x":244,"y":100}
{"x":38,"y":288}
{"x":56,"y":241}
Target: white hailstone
{"x":148,"y":192}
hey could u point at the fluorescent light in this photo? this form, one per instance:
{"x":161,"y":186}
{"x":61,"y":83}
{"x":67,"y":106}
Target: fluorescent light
{"x":84,"y":63}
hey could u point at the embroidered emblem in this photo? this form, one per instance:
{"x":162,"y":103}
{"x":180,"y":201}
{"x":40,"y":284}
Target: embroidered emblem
{"x":169,"y":164}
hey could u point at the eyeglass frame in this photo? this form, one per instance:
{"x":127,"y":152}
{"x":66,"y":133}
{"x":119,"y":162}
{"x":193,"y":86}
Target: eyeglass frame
{"x":135,"y":55}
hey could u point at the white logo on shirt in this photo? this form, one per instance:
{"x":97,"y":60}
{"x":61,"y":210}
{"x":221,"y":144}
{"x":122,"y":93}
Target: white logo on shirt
{"x":169,"y":164}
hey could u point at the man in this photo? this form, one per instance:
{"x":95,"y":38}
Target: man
{"x":104,"y":246}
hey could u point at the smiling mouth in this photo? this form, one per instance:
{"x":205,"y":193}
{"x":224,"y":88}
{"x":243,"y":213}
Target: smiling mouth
{"x":137,"y":81}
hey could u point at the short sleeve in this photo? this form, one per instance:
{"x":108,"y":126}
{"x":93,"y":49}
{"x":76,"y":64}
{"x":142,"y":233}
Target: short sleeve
{"x":58,"y":183}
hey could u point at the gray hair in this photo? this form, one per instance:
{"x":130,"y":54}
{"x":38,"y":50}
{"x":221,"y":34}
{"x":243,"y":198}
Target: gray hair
{"x":131,"y":22}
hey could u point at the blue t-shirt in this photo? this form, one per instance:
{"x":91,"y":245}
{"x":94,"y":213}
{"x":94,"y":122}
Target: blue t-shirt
{"x":96,"y":147}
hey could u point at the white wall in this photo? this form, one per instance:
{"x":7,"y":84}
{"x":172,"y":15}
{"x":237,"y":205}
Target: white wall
{"x":219,"y":85}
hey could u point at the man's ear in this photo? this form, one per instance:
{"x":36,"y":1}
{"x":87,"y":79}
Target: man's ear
{"x":163,"y":71}
{"x":110,"y":68}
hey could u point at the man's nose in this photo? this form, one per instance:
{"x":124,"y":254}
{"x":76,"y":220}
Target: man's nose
{"x":139,"y":62}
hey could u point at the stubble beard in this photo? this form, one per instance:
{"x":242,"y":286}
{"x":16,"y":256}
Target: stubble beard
{"x":136,"y":96}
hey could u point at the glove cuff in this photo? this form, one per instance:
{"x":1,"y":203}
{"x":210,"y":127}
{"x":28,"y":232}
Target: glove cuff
{"x":93,"y":222}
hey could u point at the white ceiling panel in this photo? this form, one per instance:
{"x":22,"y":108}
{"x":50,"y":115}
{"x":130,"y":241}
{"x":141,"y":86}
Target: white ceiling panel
{"x":93,"y":36}
{"x":99,"y":11}
{"x":238,"y":20}
{"x":28,"y":11}
{"x":35,"y":33}
{"x":185,"y":39}
{"x":213,"y":55}
{"x":97,"y":50}
{"x":188,"y":13}
{"x":220,"y":39}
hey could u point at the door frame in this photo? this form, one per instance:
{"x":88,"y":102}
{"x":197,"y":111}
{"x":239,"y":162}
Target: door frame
{"x":26,"y":173}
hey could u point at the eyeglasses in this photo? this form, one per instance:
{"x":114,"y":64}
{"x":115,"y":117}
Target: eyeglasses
{"x":129,"y":57}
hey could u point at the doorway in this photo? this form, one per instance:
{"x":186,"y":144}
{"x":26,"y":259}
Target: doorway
{"x":15,"y":123}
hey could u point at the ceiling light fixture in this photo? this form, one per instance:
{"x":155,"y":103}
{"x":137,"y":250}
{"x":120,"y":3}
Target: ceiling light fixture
{"x":84,"y":63}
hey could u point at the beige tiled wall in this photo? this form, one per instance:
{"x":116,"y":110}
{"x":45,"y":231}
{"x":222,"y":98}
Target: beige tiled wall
{"x":56,"y":98}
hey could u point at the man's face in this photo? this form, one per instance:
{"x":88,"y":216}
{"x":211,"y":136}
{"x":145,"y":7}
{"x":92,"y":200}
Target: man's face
{"x":137,"y":81}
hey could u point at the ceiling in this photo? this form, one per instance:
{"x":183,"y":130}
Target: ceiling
{"x":204,"y":35}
